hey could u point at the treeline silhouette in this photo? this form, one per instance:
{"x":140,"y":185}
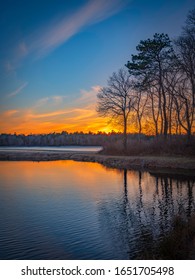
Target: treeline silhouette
{"x":112,"y":143}
{"x":58,"y":139}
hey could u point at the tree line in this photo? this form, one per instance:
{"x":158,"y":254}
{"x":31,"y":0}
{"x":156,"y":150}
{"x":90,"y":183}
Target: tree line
{"x":156,"y":90}
{"x":59,"y":139}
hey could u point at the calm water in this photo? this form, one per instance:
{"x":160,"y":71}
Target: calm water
{"x":56,"y":149}
{"x":76,"y":210}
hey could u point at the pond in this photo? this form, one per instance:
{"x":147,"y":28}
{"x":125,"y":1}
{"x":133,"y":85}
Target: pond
{"x":79,"y":210}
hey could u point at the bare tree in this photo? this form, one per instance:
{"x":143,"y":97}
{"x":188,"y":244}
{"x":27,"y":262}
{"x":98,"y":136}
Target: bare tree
{"x":116,"y":101}
{"x":185,"y":48}
{"x":184,"y":106}
{"x":140,"y":105}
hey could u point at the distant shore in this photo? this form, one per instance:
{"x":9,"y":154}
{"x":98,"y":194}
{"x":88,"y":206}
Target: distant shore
{"x":147,"y":163}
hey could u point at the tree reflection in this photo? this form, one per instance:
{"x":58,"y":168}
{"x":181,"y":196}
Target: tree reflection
{"x":138,"y":219}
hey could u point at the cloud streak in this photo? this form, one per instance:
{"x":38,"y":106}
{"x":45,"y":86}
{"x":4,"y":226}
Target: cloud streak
{"x":79,"y":115}
{"x":17,"y":91}
{"x":57,"y":32}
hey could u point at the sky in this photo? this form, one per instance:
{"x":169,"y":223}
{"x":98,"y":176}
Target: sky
{"x":55,"y":55}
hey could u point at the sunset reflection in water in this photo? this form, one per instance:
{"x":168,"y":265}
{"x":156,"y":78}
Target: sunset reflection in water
{"x":78,"y":210}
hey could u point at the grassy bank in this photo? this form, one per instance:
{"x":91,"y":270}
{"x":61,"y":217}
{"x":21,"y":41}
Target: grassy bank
{"x":152,"y":146}
{"x":148,"y":163}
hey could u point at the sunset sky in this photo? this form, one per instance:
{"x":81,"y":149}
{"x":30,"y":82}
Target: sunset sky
{"x":56,"y":54}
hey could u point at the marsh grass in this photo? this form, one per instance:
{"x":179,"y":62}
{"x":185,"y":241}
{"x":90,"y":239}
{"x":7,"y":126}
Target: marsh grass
{"x":172,"y":146}
{"x":178,"y":244}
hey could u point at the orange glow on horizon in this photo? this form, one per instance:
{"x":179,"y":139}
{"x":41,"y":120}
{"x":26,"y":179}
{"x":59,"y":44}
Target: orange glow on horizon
{"x":36,"y":127}
{"x":53,"y":114}
{"x":29,"y":122}
{"x":57,"y":129}
{"x":86,"y":119}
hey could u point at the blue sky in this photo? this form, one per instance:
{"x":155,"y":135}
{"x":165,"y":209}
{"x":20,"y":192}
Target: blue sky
{"x":55,"y":55}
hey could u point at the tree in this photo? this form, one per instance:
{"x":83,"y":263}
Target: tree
{"x":116,"y":101}
{"x":140,"y":105}
{"x":185,"y":96}
{"x":150,"y":66}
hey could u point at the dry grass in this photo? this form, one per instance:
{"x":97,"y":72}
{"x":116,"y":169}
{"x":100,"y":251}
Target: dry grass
{"x":178,"y":244}
{"x":174,"y":145}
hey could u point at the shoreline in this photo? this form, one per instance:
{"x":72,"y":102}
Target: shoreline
{"x":164,"y":164}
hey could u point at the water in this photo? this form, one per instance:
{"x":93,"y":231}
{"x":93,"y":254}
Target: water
{"x":54,"y":149}
{"x":77,"y":210}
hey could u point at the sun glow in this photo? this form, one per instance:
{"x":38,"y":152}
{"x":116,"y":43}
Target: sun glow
{"x":55,"y":114}
{"x":25,"y":122}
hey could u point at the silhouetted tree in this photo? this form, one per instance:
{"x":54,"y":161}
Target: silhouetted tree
{"x":117,"y":100}
{"x":185,"y":96}
{"x":150,"y":66}
{"x":140,"y":106}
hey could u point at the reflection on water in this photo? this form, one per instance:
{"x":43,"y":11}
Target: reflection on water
{"x":76,"y":210}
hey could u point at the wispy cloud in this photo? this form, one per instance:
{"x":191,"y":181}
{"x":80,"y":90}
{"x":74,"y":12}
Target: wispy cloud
{"x":58,"y":99}
{"x":55,"y":99}
{"x":61,"y":29}
{"x":84,"y":98}
{"x":22,"y":49}
{"x":79,"y":115}
{"x":88,"y":96}
{"x":17,"y":91}
{"x":94,"y":11}
{"x":9,"y":67}
{"x":10,"y":113}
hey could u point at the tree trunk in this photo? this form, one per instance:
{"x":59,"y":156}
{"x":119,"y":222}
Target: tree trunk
{"x":155,"y":119}
{"x":165,"y":120}
{"x":164,"y":103}
{"x":140,"y":125}
{"x":125,"y":136}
